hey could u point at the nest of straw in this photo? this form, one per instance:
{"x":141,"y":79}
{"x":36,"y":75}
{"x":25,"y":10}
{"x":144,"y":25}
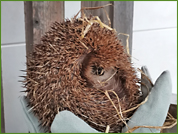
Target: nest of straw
{"x":56,"y":76}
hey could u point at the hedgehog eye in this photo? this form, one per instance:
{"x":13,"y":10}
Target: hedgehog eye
{"x":100,"y":71}
{"x":97,"y":70}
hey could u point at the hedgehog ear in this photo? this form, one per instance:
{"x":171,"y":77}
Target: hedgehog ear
{"x":81,"y":59}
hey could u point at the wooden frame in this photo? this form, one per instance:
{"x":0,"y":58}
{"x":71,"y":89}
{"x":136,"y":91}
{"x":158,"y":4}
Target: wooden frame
{"x":39,"y":16}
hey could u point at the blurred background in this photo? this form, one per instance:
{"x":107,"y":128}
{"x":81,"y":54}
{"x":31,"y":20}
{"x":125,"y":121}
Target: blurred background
{"x":154,"y":44}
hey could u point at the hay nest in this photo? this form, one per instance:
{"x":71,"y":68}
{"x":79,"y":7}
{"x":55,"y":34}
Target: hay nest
{"x":82,"y":67}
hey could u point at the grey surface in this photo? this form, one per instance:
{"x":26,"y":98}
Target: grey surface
{"x":32,"y":121}
{"x":64,"y":122}
{"x":12,"y":22}
{"x":67,"y":122}
{"x":13,"y":60}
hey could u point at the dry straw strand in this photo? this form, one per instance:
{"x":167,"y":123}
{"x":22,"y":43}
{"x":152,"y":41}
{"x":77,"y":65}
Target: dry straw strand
{"x":107,"y":129}
{"x":119,"y":113}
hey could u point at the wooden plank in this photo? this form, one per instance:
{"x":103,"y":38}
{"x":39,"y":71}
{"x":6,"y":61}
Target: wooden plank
{"x":28,"y":26}
{"x":2,"y":107}
{"x":44,"y":14}
{"x":121,"y":16}
{"x":99,"y":12}
{"x":39,"y":15}
{"x":123,"y":20}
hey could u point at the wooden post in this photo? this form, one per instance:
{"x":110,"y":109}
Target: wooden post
{"x":39,"y":15}
{"x":28,"y":26}
{"x":120,"y":13}
{"x":123,"y":20}
{"x":99,"y":12}
{"x":2,"y":107}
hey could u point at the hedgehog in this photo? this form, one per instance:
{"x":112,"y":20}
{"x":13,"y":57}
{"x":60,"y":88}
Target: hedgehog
{"x":81,"y":66}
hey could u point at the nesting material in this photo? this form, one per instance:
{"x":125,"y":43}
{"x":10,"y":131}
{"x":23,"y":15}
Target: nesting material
{"x":82,"y":67}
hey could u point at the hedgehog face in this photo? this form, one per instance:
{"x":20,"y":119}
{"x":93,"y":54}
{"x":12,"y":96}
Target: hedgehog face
{"x":93,"y":70}
{"x":99,"y":76}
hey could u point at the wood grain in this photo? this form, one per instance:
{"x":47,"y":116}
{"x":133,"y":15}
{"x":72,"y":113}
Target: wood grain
{"x":99,"y":12}
{"x":44,"y":14}
{"x":2,"y":108}
{"x":123,"y":20}
{"x":28,"y":26}
{"x":39,"y":15}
